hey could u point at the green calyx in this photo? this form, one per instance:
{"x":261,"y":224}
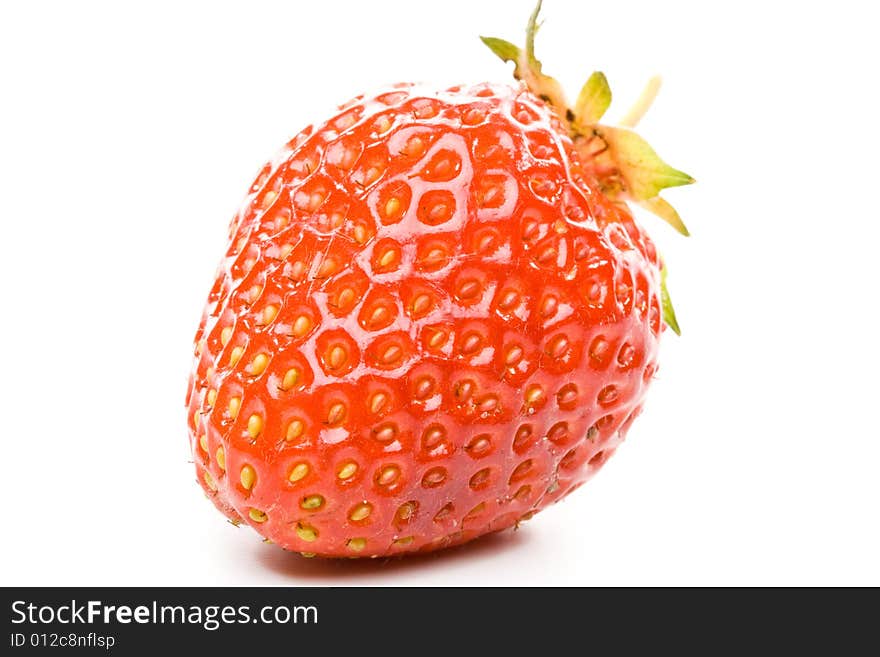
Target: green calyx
{"x":592,"y":101}
{"x":666,"y":304}
{"x":624,"y":164}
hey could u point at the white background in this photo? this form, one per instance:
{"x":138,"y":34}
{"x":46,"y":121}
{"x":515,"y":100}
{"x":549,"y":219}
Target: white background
{"x":129,"y":135}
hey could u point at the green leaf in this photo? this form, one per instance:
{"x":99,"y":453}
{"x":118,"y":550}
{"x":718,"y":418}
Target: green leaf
{"x":645,"y":173}
{"x":666,"y":303}
{"x":593,"y":100}
{"x":661,"y":207}
{"x":504,"y":49}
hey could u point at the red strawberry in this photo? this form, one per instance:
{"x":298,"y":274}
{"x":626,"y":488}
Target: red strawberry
{"x":436,"y":316}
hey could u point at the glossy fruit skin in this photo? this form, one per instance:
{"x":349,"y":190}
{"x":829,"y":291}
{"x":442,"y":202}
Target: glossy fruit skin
{"x":429,"y":325}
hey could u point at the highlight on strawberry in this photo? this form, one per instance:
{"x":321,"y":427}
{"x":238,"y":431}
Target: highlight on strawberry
{"x":436,"y":315}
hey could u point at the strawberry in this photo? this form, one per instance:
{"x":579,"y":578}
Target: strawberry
{"x":436,"y":316}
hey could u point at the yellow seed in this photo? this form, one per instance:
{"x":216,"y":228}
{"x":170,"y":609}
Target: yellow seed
{"x":254,"y":425}
{"x":533,"y":394}
{"x":301,"y":326}
{"x":549,"y":305}
{"x":209,"y":373}
{"x":356,"y":544}
{"x":434,"y":257}
{"x":203,"y":442}
{"x":269,"y":313}
{"x":254,"y":293}
{"x":468,"y":289}
{"x":295,"y":429}
{"x":248,"y":477}
{"x":473,"y":116}
{"x":269,"y":199}
{"x":433,"y":436}
{"x":257,"y":515}
{"x":421,"y":303}
{"x":463,"y":389}
{"x":297,"y":270}
{"x":291,"y":376}
{"x":392,"y":206}
{"x":439,"y":212}
{"x":406,"y":511}
{"x":211,"y":397}
{"x":221,"y":457}
{"x":487,"y":403}
{"x":360,"y":512}
{"x":480,"y":478}
{"x":438,"y":339}
{"x":258,"y":364}
{"x":509,"y":299}
{"x":299,"y":471}
{"x":234,"y":406}
{"x":200,"y":347}
{"x":443,"y":513}
{"x":522,"y":492}
{"x":557,"y":346}
{"x":379,"y":314}
{"x":424,"y":386}
{"x":306,"y":533}
{"x":347,"y":471}
{"x":425,"y":110}
{"x":285,"y":251}
{"x":312,"y":502}
{"x":345,"y":297}
{"x":337,"y":357}
{"x":336,"y":413}
{"x":521,"y":470}
{"x":327,"y":268}
{"x":377,"y":402}
{"x":235,"y":356}
{"x":387,"y":258}
{"x":346,"y":121}
{"x":514,"y":355}
{"x":372,"y":174}
{"x":385,"y":434}
{"x":382,"y":125}
{"x":308,"y":555}
{"x":248,"y":264}
{"x":315,"y":201}
{"x":388,"y":476}
{"x":415,"y":146}
{"x":360,"y":234}
{"x":209,"y":481}
{"x":225,"y":334}
{"x":406,"y":540}
{"x":392,"y":354}
{"x":434,"y":477}
{"x":471,"y":342}
{"x":485,"y":242}
{"x":479,"y":445}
